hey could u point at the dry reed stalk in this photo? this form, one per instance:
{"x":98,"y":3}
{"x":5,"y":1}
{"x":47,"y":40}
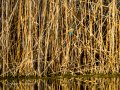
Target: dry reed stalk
{"x":66,"y":52}
{"x":57,"y":32}
{"x":25,"y":36}
{"x":63,"y":54}
{"x":18,"y":33}
{"x":101,"y":42}
{"x":116,"y":37}
{"x":85,"y":31}
{"x":30,"y":35}
{"x":46,"y":38}
{"x":119,"y":43}
{"x":3,"y":39}
{"x":7,"y":34}
{"x":39,"y":44}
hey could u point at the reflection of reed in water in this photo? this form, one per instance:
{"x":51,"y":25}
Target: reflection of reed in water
{"x":88,"y":83}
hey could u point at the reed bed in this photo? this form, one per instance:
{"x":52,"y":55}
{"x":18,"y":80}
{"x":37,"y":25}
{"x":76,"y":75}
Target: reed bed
{"x":34,"y":37}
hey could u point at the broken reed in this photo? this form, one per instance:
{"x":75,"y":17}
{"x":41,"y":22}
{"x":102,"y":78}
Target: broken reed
{"x":35,"y":40}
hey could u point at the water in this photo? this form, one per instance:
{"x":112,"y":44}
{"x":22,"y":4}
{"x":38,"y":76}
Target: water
{"x":71,"y":83}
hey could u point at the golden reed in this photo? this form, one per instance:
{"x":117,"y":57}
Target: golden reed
{"x":34,"y":37}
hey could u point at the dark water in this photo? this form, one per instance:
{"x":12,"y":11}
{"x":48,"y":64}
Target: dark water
{"x":72,"y":83}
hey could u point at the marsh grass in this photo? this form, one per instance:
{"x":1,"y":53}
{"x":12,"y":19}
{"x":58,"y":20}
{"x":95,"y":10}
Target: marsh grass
{"x":34,"y":37}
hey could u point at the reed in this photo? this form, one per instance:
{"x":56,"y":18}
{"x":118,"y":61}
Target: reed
{"x":34,"y":37}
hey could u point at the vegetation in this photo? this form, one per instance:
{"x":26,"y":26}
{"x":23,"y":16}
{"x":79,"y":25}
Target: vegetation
{"x":34,"y":39}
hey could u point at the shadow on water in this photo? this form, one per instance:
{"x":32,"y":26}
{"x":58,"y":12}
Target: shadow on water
{"x":71,"y":83}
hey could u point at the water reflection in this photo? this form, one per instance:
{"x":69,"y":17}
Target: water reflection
{"x":72,"y":83}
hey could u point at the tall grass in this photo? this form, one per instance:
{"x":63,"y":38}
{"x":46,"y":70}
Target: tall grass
{"x":34,"y":37}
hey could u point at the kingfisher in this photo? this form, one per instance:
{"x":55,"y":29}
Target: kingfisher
{"x":70,"y":30}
